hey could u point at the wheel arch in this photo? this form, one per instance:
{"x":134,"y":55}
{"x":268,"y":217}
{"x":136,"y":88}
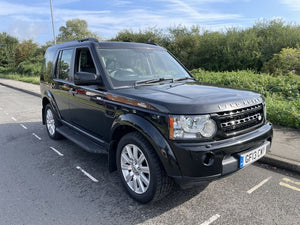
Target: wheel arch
{"x":127,"y":123}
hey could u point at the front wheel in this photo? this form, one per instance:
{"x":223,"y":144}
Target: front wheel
{"x":140,"y":169}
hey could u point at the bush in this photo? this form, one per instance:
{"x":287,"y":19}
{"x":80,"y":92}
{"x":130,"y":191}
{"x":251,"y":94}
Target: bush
{"x":281,"y":93}
{"x":287,"y":61}
{"x":29,"y":69}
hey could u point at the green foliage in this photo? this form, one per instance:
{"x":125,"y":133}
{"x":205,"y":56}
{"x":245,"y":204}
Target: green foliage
{"x":234,"y":49}
{"x":287,"y":61}
{"x":24,"y":51}
{"x":8,"y":46}
{"x":75,"y":29}
{"x":281,"y":93}
{"x":28,"y":79}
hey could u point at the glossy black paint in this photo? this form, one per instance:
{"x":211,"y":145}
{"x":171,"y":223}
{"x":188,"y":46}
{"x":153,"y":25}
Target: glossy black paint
{"x":104,"y":114}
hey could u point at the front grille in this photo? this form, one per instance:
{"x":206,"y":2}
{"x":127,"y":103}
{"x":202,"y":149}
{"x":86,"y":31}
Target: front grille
{"x":240,"y":120}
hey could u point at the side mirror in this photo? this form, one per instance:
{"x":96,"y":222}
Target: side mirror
{"x":85,"y":78}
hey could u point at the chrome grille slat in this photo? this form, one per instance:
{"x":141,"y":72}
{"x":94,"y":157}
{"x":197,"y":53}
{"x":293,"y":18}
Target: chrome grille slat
{"x":231,"y":122}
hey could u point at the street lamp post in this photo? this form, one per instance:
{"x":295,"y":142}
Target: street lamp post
{"x":52,"y":22}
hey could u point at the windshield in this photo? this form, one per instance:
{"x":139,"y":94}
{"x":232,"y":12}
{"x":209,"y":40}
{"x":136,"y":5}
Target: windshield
{"x":126,"y":67}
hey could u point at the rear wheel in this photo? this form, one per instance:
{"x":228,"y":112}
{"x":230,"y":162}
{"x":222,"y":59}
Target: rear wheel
{"x":51,"y":123}
{"x":140,"y":169}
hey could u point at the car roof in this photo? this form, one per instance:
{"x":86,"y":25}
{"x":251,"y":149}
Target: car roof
{"x":107,"y":44}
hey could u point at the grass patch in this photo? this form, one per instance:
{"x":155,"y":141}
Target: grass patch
{"x":281,"y":92}
{"x":28,"y":79}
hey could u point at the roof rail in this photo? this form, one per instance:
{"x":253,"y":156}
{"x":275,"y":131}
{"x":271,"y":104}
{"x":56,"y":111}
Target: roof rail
{"x":88,"y":39}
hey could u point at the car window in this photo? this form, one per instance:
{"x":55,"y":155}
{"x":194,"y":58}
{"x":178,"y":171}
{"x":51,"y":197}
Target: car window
{"x":127,"y":66}
{"x":64,"y":64}
{"x":84,"y":61}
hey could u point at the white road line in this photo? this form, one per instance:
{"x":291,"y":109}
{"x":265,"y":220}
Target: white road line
{"x":259,"y":185}
{"x":22,"y":125}
{"x":87,"y":174}
{"x":59,"y":153}
{"x":36,"y":136}
{"x":13,"y":118}
{"x":211,"y":219}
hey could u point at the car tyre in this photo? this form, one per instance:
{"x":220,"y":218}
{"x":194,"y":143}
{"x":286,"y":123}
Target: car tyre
{"x":140,"y":169}
{"x":52,"y":123}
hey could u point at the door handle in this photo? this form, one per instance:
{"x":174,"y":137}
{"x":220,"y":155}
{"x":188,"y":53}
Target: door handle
{"x":73,"y":91}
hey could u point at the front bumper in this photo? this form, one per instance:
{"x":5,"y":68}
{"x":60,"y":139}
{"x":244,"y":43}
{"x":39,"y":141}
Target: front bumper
{"x":203,"y":162}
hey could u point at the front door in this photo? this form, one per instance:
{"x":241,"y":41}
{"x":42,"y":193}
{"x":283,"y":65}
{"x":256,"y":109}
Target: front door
{"x":86,"y":105}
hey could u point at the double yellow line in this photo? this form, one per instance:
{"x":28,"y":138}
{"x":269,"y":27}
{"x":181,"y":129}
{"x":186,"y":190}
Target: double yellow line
{"x":288,"y":184}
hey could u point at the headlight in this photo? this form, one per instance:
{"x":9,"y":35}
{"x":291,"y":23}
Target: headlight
{"x":192,"y":127}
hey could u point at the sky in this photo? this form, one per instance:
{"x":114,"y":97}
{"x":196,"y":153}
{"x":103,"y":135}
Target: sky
{"x":31,"y":19}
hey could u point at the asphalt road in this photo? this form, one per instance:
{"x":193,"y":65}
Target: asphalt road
{"x":55,"y":182}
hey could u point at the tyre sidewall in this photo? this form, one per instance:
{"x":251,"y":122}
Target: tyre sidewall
{"x":145,"y":147}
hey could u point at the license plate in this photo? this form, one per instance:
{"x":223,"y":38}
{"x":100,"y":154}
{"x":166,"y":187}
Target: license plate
{"x":252,"y":155}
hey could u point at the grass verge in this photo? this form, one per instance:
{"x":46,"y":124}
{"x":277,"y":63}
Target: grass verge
{"x":281,"y":93}
{"x":28,"y":79}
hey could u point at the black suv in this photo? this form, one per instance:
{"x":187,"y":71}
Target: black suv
{"x":137,"y":103}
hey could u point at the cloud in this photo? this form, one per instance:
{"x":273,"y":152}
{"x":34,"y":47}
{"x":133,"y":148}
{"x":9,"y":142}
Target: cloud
{"x":294,"y":5}
{"x":32,"y":20}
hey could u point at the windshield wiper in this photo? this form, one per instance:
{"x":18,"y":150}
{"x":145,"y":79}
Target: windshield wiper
{"x":151,"y":81}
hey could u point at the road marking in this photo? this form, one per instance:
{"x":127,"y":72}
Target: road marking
{"x":291,"y":181}
{"x":55,"y":150}
{"x":87,"y":174}
{"x":259,"y":185}
{"x":36,"y":136}
{"x":288,"y":185}
{"x":211,"y":219}
{"x":13,"y":118}
{"x":22,"y":125}
{"x":6,"y":113}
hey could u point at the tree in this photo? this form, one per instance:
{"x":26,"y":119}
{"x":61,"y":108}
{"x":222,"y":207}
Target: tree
{"x":75,"y":29}
{"x":25,"y":50}
{"x":7,"y":50}
{"x":287,"y":61}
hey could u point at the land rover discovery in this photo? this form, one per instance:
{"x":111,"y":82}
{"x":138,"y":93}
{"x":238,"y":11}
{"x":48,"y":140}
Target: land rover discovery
{"x":138,"y":104}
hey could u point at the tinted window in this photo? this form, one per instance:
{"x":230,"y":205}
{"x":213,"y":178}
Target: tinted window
{"x":64,"y":64}
{"x":84,"y":61}
{"x":126,"y":66}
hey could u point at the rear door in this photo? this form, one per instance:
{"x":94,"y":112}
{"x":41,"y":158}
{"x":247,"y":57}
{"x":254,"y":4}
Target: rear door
{"x":61,"y":82}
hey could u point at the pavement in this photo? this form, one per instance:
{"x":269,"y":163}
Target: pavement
{"x":285,"y":150}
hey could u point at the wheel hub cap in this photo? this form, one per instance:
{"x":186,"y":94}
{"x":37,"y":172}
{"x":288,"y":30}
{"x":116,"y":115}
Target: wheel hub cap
{"x":50,"y":122}
{"x":135,"y":168}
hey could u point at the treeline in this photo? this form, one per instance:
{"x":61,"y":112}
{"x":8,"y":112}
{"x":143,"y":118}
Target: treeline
{"x":270,"y":46}
{"x":26,"y":57}
{"x":235,"y":49}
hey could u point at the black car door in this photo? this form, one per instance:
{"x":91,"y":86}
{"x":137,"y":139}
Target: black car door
{"x":86,"y":105}
{"x":61,"y":82}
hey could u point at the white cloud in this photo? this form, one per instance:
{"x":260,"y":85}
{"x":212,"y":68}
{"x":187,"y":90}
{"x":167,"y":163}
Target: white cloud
{"x":34,"y":20}
{"x":294,"y":5}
